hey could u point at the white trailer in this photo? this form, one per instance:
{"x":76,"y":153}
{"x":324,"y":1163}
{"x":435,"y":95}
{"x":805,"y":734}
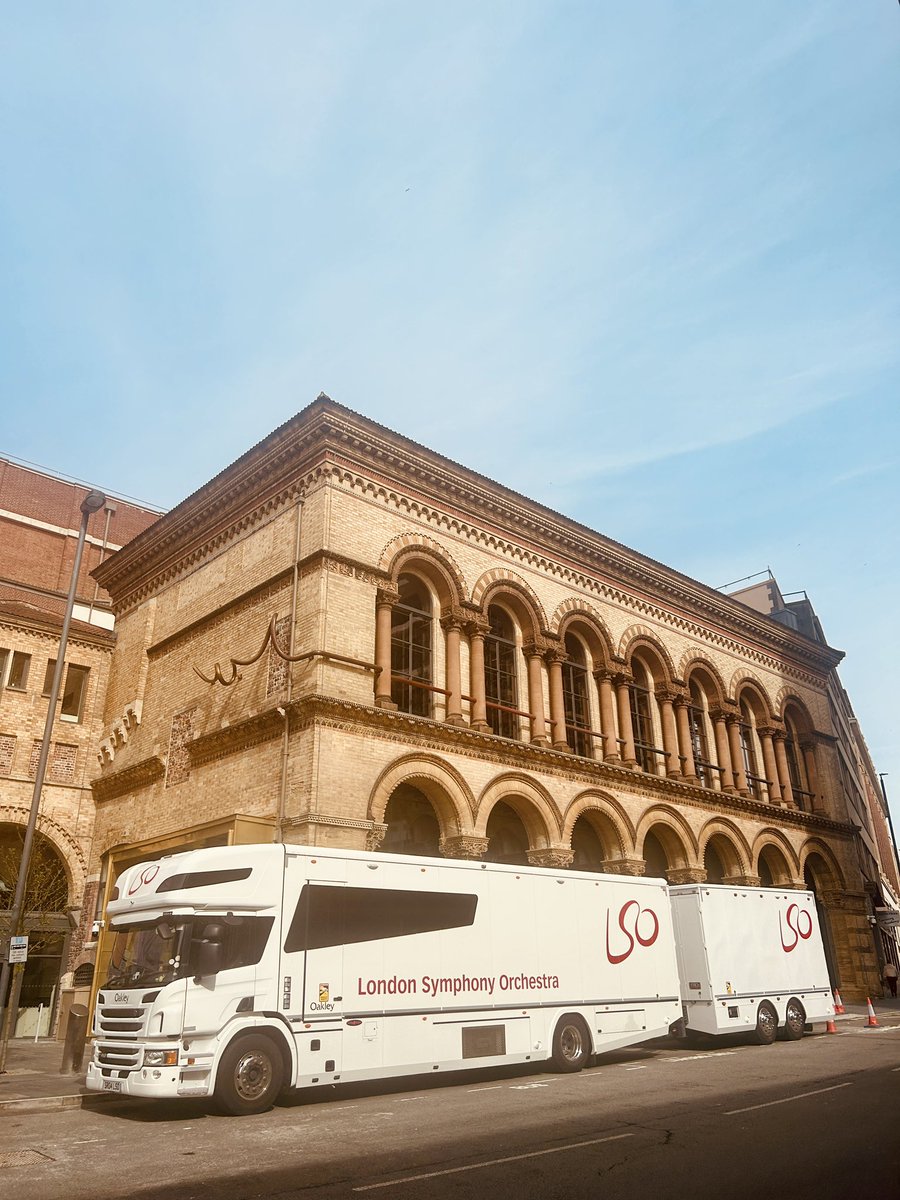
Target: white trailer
{"x":750,"y":959}
{"x":238,"y":972}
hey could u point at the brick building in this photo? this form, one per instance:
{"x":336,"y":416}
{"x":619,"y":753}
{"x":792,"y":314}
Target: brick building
{"x":346,"y":639}
{"x":40,"y":517}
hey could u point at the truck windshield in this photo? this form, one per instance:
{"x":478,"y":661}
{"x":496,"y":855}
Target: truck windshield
{"x":144,"y":954}
{"x":159,"y":951}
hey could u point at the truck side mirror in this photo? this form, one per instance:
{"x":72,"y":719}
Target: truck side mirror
{"x":209,"y":952}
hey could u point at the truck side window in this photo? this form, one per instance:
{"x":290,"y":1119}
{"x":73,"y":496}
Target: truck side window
{"x":327,"y":915}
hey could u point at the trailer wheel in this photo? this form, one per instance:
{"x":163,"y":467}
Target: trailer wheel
{"x":794,"y":1020}
{"x":766,"y":1024}
{"x":250,"y":1076}
{"x":571,"y":1043}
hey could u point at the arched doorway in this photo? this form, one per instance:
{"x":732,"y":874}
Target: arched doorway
{"x":712,"y":864}
{"x":657,"y":864}
{"x":508,"y":839}
{"x":412,"y":826}
{"x":46,"y":924}
{"x":818,"y":877}
{"x":587,"y":847}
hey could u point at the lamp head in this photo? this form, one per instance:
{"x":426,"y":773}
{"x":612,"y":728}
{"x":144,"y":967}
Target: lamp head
{"x":93,"y":502}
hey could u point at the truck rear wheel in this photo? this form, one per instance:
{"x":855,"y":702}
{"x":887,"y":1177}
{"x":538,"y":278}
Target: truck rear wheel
{"x":794,"y":1020}
{"x":766,"y":1024}
{"x":571,"y":1043}
{"x":250,"y":1076}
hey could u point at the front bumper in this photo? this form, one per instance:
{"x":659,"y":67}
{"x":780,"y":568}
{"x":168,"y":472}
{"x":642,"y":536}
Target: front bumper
{"x":150,"y":1082}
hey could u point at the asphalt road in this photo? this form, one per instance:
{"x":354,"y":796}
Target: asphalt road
{"x":816,"y":1118}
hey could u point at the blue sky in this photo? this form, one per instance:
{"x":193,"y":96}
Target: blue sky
{"x":637,"y":261}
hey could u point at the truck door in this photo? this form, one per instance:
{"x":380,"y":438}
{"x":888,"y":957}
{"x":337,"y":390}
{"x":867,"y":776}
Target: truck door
{"x":313,"y":973}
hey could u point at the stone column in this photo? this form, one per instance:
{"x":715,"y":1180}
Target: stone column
{"x":385,"y":599}
{"x":733,"y":722}
{"x":477,"y":632}
{"x":452,"y":626}
{"x":558,"y":857}
{"x":766,"y":733}
{"x":723,"y":753}
{"x":464,"y":846}
{"x":626,"y":730}
{"x":607,"y":720}
{"x":375,"y":836}
{"x":533,"y":656}
{"x":686,"y":746}
{"x":665,"y":700}
{"x":555,"y":659}
{"x":784,"y":774}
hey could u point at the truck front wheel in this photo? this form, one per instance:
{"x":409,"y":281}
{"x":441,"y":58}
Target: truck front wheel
{"x":766,"y":1024}
{"x":250,"y":1076}
{"x":571,"y":1044}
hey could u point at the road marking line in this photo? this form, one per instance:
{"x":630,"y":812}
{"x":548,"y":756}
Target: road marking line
{"x":493,"y":1088}
{"x":492,"y":1162}
{"x":636,"y":1068}
{"x":409,"y":1099}
{"x":786,"y":1100}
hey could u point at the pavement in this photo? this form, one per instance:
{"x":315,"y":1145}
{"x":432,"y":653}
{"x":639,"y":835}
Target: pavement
{"x":32,"y":1081}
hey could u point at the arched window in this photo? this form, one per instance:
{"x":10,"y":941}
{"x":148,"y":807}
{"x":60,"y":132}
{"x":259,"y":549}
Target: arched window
{"x":575,"y":699}
{"x":641,"y":699}
{"x":500,"y":682}
{"x":748,"y":751}
{"x":796,"y":767}
{"x":696,"y":714}
{"x":411,"y":655}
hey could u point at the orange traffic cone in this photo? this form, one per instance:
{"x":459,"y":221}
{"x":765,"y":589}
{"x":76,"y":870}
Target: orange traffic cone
{"x":838,"y":1002}
{"x":871,"y":1023}
{"x":830,"y":1026}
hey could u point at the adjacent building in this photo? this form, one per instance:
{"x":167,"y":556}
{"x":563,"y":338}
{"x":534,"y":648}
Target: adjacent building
{"x":40,"y":517}
{"x":346,"y":639}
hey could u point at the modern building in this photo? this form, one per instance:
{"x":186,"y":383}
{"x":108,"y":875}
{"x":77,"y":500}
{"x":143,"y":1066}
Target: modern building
{"x":40,"y":517}
{"x":346,"y":639}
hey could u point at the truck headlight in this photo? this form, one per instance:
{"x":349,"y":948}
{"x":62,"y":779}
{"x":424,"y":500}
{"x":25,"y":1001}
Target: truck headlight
{"x":160,"y":1058}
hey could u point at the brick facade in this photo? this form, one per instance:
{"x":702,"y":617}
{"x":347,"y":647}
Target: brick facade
{"x":732,"y":776}
{"x":39,"y":521}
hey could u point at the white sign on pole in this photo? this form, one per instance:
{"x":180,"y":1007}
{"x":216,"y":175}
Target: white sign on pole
{"x":18,"y":949}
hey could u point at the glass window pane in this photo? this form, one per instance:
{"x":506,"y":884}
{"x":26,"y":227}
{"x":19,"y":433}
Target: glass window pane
{"x":18,"y":670}
{"x":73,"y":692}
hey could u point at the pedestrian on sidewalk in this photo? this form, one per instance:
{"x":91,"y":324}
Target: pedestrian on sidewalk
{"x":889,"y":975}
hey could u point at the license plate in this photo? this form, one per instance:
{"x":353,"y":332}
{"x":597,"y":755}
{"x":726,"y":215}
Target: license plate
{"x":112,"y":1085}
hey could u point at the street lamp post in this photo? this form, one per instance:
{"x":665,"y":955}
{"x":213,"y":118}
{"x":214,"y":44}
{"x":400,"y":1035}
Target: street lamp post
{"x":92,"y":503}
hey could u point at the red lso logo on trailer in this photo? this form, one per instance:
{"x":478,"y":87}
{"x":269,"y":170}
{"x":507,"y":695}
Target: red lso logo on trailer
{"x":799,"y":925}
{"x":640,"y":928}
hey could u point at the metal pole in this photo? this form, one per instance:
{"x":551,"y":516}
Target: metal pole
{"x":92,"y":503}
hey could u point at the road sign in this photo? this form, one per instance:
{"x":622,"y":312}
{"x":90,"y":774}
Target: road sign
{"x":18,"y":949}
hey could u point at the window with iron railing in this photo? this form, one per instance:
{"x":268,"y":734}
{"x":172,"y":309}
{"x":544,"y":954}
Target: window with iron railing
{"x":500,"y":675}
{"x":411,"y":652}
{"x":575,"y":700}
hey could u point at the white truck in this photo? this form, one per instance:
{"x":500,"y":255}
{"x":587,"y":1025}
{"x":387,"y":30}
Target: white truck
{"x":750,"y":959}
{"x":240,"y":972}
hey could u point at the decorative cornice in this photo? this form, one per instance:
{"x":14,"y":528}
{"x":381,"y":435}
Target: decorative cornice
{"x":263,"y":726}
{"x":327,"y":440}
{"x":129,"y":779}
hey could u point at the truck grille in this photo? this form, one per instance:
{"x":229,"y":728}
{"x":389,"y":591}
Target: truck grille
{"x":116,"y":1032}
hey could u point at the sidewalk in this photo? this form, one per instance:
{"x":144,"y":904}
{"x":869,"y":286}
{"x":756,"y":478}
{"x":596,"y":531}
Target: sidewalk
{"x":32,"y":1082}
